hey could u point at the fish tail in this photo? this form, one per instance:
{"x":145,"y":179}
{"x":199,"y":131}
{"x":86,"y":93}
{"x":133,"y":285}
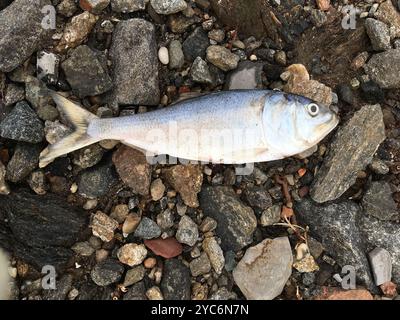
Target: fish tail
{"x":81,"y":119}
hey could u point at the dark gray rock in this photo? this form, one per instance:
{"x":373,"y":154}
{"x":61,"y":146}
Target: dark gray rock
{"x":246,"y":76}
{"x":345,"y":93}
{"x":21,"y":32}
{"x":236,"y":221}
{"x":352,"y":150}
{"x":135,"y":63}
{"x":107,"y":272}
{"x":335,"y":225}
{"x":176,"y":57}
{"x":384,"y":68}
{"x":136,"y":292}
{"x":378,"y":201}
{"x":378,"y":33}
{"x":22,"y":124}
{"x":175,"y":283}
{"x":97,"y":181}
{"x":200,"y":72}
{"x":13,"y":94}
{"x":63,"y":287}
{"x":24,"y":160}
{"x":169,"y":6}
{"x":371,"y":92}
{"x":147,"y":229}
{"x":196,"y":44}
{"x":258,"y":197}
{"x":85,"y":73}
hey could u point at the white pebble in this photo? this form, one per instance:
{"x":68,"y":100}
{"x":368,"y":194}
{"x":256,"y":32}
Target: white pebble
{"x":163,"y":55}
{"x":253,"y":57}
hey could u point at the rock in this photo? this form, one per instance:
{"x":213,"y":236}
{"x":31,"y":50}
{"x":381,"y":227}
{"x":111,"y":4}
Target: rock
{"x":176,"y":57}
{"x":163,"y":55}
{"x":378,"y":201}
{"x":258,"y":197}
{"x":352,"y":150}
{"x":157,"y":189}
{"x":126,"y":6}
{"x":381,"y":265}
{"x":264,"y":269}
{"x":147,"y":229}
{"x":359,"y":61}
{"x":306,"y":264}
{"x":187,"y":232}
{"x":47,"y":113}
{"x":136,"y":292}
{"x":271,"y":216}
{"x":195,"y":44}
{"x":96,"y":181}
{"x":24,"y":160}
{"x":187,"y":180}
{"x":13,"y":94}
{"x":154,"y":293}
{"x":214,"y":253}
{"x":222,"y":58}
{"x":130,"y":224}
{"x":388,"y":14}
{"x":236,"y":222}
{"x":166,"y":248}
{"x":298,"y":82}
{"x":88,"y":156}
{"x":135,"y":63}
{"x":133,"y":168}
{"x":200,"y":72}
{"x":371,"y":92}
{"x":223,"y":294}
{"x":324,"y":4}
{"x":200,"y":265}
{"x":208,"y":224}
{"x":378,"y":166}
{"x":47,"y":66}
{"x":55,"y":131}
{"x":384,"y":67}
{"x":22,"y":124}
{"x":34,"y":221}
{"x":120,"y":213}
{"x":246,"y":76}
{"x":318,"y":17}
{"x":37,"y":182}
{"x":217,"y":35}
{"x":63,"y":286}
{"x":85,"y":73}
{"x":94,"y":6}
{"x":134,"y":275}
{"x":345,"y":94}
{"x":107,"y":272}
{"x":67,"y":8}
{"x":132,"y":254}
{"x":378,"y":33}
{"x":179,"y":23}
{"x":175,"y":283}
{"x":84,"y":249}
{"x":338,"y":294}
{"x":22,"y":32}
{"x":335,"y":225}
{"x":280,"y":58}
{"x":4,"y":188}
{"x":37,"y":93}
{"x":168,"y":6}
{"x":103,"y":226}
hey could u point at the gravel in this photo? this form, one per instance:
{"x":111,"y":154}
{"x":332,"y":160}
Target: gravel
{"x":107,"y":272}
{"x":175,"y":283}
{"x":147,"y":229}
{"x":187,"y":232}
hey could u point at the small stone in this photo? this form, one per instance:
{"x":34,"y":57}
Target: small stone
{"x":101,"y":255}
{"x":187,"y":232}
{"x":55,"y":131}
{"x":163,"y":55}
{"x":147,"y":229}
{"x":378,"y":201}
{"x":37,"y":182}
{"x":22,"y":124}
{"x":168,"y":6}
{"x":248,"y":75}
{"x":179,"y":23}
{"x":107,"y":272}
{"x":88,"y":156}
{"x":84,"y":249}
{"x":154,"y":293}
{"x":103,"y":226}
{"x":323,"y":4}
{"x":280,"y":58}
{"x":371,"y":92}
{"x":378,"y":33}
{"x":4,"y":188}
{"x":47,"y":113}
{"x":150,"y":263}
{"x":132,"y":254}
{"x":13,"y":94}
{"x":214,"y":253}
{"x":90,"y":204}
{"x":130,"y":224}
{"x":359,"y":61}
{"x":47,"y":66}
{"x":176,"y":57}
{"x":208,"y":224}
{"x":165,"y":219}
{"x":195,"y":44}
{"x":134,"y":275}
{"x":157,"y":189}
{"x":306,"y":264}
{"x":217,"y":35}
{"x":127,"y":6}
{"x":264,"y":269}
{"x":175,"y":283}
{"x":338,"y":294}
{"x":379,"y":167}
{"x":318,"y":17}
{"x":200,"y":265}
{"x":384,"y":68}
{"x":222,"y":58}
{"x":67,"y":8}
{"x":258,"y":197}
{"x":345,"y":94}
{"x":24,"y":160}
{"x":166,"y":248}
{"x":94,"y":6}
{"x":96,"y":181}
{"x":200,"y":72}
{"x":120,"y":213}
{"x":381,"y":265}
{"x":271,"y":216}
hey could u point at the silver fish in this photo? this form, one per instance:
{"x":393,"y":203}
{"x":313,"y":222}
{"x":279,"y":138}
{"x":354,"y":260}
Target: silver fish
{"x":231,"y":127}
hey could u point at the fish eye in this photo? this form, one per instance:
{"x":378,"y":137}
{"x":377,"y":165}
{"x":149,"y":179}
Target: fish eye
{"x":313,"y":109}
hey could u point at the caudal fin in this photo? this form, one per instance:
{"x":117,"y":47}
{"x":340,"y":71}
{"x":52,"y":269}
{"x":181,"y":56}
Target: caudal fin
{"x":80,"y":118}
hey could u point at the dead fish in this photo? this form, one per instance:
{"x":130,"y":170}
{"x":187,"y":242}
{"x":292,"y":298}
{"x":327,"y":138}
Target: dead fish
{"x":4,"y":277}
{"x":230,"y":127}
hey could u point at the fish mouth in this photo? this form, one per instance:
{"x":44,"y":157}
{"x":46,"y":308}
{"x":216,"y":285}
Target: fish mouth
{"x":325,"y":128}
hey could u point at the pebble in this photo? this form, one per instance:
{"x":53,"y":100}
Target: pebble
{"x":187,"y":232}
{"x":248,"y":75}
{"x":165,"y":219}
{"x":258,"y":197}
{"x":103,"y":226}
{"x":214,"y":253}
{"x":88,"y":156}
{"x":384,"y":68}
{"x":157,"y":189}
{"x":132,"y":254}
{"x":154,"y":293}
{"x":176,"y":56}
{"x":195,"y":44}
{"x":179,"y":23}
{"x":167,"y":248}
{"x":37,"y":182}
{"x":345,"y":94}
{"x":359,"y":61}
{"x":134,"y":275}
{"x":200,"y":72}
{"x":200,"y":265}
{"x":4,"y":188}
{"x":264,"y":269}
{"x":55,"y":131}
{"x":378,"y":201}
{"x":24,"y":160}
{"x":147,"y":229}
{"x":388,"y":14}
{"x":330,"y":293}
{"x":176,"y":280}
{"x":378,"y":33}
{"x":106,"y":272}
{"x":222,"y":58}
{"x":13,"y":94}
{"x":371,"y":92}
{"x":150,"y":263}
{"x":324,"y":4}
{"x":271,"y":216}
{"x":381,"y":265}
{"x":168,"y":6}
{"x":208,"y":224}
{"x":130,"y":224}
{"x":67,"y":8}
{"x":217,"y":35}
{"x":120,"y":213}
{"x":97,"y":181}
{"x":94,"y":6}
{"x":90,"y":204}
{"x":280,"y":58}
{"x":163,"y":55}
{"x":47,"y":113}
{"x":379,"y":167}
{"x":127,"y":6}
{"x":84,"y":249}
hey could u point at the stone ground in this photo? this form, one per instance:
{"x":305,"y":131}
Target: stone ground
{"x":115,"y":227}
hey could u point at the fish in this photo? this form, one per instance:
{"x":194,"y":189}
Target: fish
{"x":4,"y":277}
{"x":226,"y":127}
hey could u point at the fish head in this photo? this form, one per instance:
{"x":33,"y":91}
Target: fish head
{"x":297,"y":123}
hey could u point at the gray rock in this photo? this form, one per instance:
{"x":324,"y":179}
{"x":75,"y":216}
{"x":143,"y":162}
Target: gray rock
{"x":258,"y":197}
{"x":378,"y":166}
{"x":63,"y":286}
{"x":384,"y":68}
{"x":94,"y":6}
{"x":89,"y":156}
{"x":187,"y":232}
{"x":165,"y":219}
{"x":222,"y":58}
{"x":352,"y":150}
{"x":67,"y":8}
{"x":271,"y":215}
{"x":200,"y":72}
{"x":22,"y":124}
{"x":37,"y":93}
{"x":147,"y":229}
{"x":236,"y":222}
{"x":37,"y":182}
{"x":264,"y":269}
{"x":378,"y":33}
{"x":335,"y":225}
{"x":134,"y":275}
{"x":24,"y":160}
{"x":136,"y":292}
{"x":4,"y":188}
{"x":128,"y":5}
{"x":85,"y":73}
{"x":22,"y":32}
{"x":200,"y":265}
{"x":47,"y":66}
{"x":135,"y":63}
{"x":83,"y":249}
{"x":195,"y":44}
{"x":381,"y":265}
{"x":176,"y":57}
{"x":378,"y":201}
{"x":175,"y":283}
{"x":47,"y":113}
{"x":107,"y":272}
{"x":13,"y":94}
{"x":246,"y":76}
{"x":168,"y":6}
{"x":223,"y":294}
